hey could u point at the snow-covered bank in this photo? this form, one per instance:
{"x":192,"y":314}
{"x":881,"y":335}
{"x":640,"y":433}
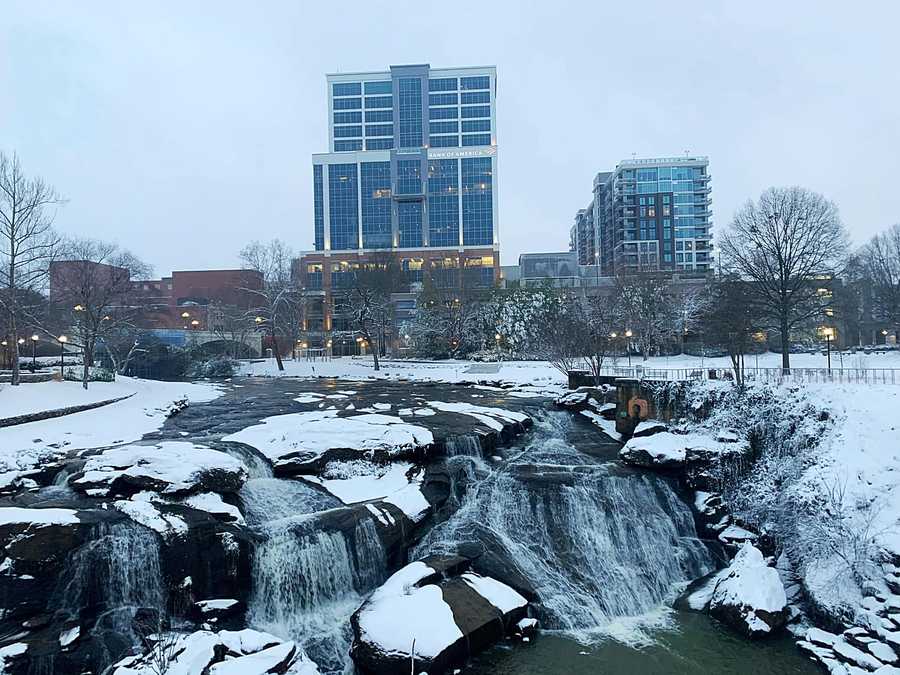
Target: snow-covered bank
{"x":25,"y":446}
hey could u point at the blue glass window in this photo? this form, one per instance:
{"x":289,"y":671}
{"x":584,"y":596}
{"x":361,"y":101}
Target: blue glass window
{"x":379,"y":116}
{"x":477,"y":111}
{"x":345,"y":89}
{"x":375,"y":182}
{"x":409,"y":179}
{"x":443,"y":202}
{"x":348,"y":117}
{"x":379,"y":102}
{"x":476,"y":139}
{"x":476,"y":97}
{"x":442,"y":113}
{"x":409,"y":223}
{"x":646,"y":174}
{"x":444,"y":127}
{"x":347,"y":103}
{"x":410,"y":112}
{"x":442,"y":99}
{"x":342,"y":206}
{"x":481,"y":82}
{"x":476,"y":125}
{"x":378,"y":87}
{"x":477,"y":202}
{"x":348,"y":146}
{"x":379,"y":143}
{"x":444,"y":141}
{"x":318,"y":207}
{"x":379,"y":130}
{"x":347,"y":132}
{"x":442,"y":84}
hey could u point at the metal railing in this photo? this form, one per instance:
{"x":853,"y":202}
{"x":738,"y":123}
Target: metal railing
{"x":797,"y":375}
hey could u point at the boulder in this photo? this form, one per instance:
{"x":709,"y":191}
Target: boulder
{"x":647,"y":428}
{"x":222,"y":613}
{"x":660,"y":451}
{"x":750,"y":596}
{"x":434,"y":613}
{"x":170,"y":468}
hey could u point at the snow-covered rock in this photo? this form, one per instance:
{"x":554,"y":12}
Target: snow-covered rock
{"x":433,"y":611}
{"x":750,"y":596}
{"x":648,"y":428}
{"x":667,"y":450}
{"x":171,"y":467}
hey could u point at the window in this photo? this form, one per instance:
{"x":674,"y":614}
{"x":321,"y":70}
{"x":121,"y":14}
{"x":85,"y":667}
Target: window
{"x":442,"y":113}
{"x":646,"y":175}
{"x":347,"y":117}
{"x":379,"y":130}
{"x":442,"y":84}
{"x":444,"y":141}
{"x":442,"y":99}
{"x":651,"y":212}
{"x":478,"y":202}
{"x":318,"y":207}
{"x":476,"y":125}
{"x":345,"y":89}
{"x":347,"y":103}
{"x":667,"y":210}
{"x":409,"y":179}
{"x":347,"y":132}
{"x":379,"y":116}
{"x":410,"y":112}
{"x":342,"y":211}
{"x":379,"y":143}
{"x":375,"y":179}
{"x":476,"y":111}
{"x":476,"y":97}
{"x":379,"y":102}
{"x":477,"y":139}
{"x":348,"y":146}
{"x":481,"y":82}
{"x":409,"y":222}
{"x":443,"y":202}
{"x":378,"y":87}
{"x":444,"y":127}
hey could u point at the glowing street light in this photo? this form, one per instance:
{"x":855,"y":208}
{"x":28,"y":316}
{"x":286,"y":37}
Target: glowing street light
{"x":34,"y":341}
{"x":828,"y":333}
{"x":62,"y":339}
{"x":79,"y":307}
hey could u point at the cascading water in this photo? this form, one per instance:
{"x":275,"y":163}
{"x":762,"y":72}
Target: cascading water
{"x":597,"y":542}
{"x":307,"y":583}
{"x":269,"y":499}
{"x":458,"y":446}
{"x":114,"y":576}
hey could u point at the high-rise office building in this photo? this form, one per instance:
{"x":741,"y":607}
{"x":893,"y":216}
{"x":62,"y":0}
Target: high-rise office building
{"x":648,"y":214}
{"x":412,"y":169}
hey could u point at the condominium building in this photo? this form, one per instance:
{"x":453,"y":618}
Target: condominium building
{"x":647,"y":214}
{"x":411,"y":169}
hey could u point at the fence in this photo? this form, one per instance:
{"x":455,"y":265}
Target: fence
{"x":797,"y":375}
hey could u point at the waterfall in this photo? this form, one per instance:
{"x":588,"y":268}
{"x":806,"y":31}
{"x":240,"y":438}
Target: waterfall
{"x":307,"y":583}
{"x":269,"y":499}
{"x":114,"y":576}
{"x":468,"y":446}
{"x":597,"y":542}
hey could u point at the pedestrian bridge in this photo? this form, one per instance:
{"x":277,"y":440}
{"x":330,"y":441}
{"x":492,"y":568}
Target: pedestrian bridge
{"x":251,"y":343}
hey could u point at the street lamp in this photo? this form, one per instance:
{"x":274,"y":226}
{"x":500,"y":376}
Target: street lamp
{"x":79,"y":307}
{"x":828,"y":334}
{"x":195,"y":323}
{"x":34,"y":341}
{"x":62,"y":339}
{"x":628,"y":335}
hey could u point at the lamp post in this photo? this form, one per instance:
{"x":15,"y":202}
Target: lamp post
{"x":62,"y":355}
{"x":828,"y":334}
{"x":628,"y":335}
{"x":34,"y":341}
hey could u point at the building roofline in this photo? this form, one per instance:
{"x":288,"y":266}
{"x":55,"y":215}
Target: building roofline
{"x":387,"y":72}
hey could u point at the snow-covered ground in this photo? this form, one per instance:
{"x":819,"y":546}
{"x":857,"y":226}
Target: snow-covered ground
{"x":24,"y":445}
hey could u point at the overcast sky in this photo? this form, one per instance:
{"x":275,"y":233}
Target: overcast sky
{"x":182,"y":130}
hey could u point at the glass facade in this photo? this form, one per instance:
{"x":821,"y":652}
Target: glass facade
{"x":375,"y":183}
{"x":318,"y":207}
{"x":477,"y":202}
{"x":409,"y":220}
{"x":410,"y":113}
{"x":443,"y":202}
{"x":409,"y":179}
{"x":342,"y":206}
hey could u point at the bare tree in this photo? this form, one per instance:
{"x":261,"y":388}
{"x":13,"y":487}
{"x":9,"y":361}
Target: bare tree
{"x":787,"y":244}
{"x":231,"y":325}
{"x":880,"y":260}
{"x":730,"y":321}
{"x":448,"y":319}
{"x":92,"y":282}
{"x":648,"y":308}
{"x":276,"y":302}
{"x":27,"y":243}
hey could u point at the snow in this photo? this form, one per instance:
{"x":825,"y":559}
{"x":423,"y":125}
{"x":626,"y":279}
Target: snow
{"x":216,"y":604}
{"x":495,"y":418}
{"x":315,"y":432}
{"x":178,"y":464}
{"x":264,"y":661}
{"x":67,"y":637}
{"x":498,"y":594}
{"x":373,"y":481}
{"x":399,"y":613}
{"x":411,"y":501}
{"x":608,"y":427}
{"x":37,"y":517}
{"x":141,"y":509}
{"x":673,"y":448}
{"x":752,"y":586}
{"x":26,"y":446}
{"x":212,"y":502}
